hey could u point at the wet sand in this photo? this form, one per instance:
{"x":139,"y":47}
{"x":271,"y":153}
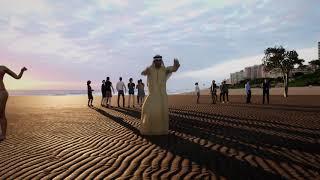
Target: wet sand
{"x":60,"y":137}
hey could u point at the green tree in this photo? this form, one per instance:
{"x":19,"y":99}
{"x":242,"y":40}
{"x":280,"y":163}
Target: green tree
{"x":279,"y":59}
{"x":315,"y":64}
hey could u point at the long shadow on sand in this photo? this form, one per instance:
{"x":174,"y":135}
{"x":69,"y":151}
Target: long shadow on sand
{"x":233,"y":127}
{"x":216,"y":162}
{"x":251,"y":142}
{"x":312,"y":109}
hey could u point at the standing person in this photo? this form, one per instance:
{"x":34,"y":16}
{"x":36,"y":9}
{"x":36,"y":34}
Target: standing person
{"x":213,"y":90}
{"x":131,"y":87}
{"x":248,"y":92}
{"x":222,"y":93}
{"x":155,"y":112}
{"x":4,"y":97}
{"x":121,"y":88}
{"x":197,"y":90}
{"x":104,"y":93}
{"x":137,"y":87}
{"x":90,"y":96}
{"x":226,"y":91}
{"x":141,"y":92}
{"x":109,"y":87}
{"x":266,"y":88}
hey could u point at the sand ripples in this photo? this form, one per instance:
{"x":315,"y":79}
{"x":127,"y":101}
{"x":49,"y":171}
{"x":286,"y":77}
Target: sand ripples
{"x":99,"y":143}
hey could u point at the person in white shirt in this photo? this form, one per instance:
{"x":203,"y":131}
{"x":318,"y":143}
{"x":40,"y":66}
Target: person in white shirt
{"x":197,"y":90}
{"x":248,"y":91}
{"x":121,"y":88}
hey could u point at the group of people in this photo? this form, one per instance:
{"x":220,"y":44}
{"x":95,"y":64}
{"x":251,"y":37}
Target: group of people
{"x":107,"y":90}
{"x":224,"y":92}
{"x":155,"y":112}
{"x":265,"y":91}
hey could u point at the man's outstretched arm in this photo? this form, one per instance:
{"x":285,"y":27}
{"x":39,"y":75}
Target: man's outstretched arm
{"x":175,"y":66}
{"x":145,"y":72}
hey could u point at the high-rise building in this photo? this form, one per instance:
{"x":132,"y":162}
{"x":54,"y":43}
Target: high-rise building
{"x":319,"y":50}
{"x":236,"y":77}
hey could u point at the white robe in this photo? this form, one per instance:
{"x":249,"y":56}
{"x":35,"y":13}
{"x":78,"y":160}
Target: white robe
{"x":155,"y":113}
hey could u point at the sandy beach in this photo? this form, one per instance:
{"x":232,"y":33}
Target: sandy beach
{"x":59,"y":137}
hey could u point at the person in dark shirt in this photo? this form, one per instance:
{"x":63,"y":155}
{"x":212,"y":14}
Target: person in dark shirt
{"x":226,"y":91}
{"x":222,"y":91}
{"x":90,"y":96}
{"x":265,"y":88}
{"x":104,"y":92}
{"x":141,"y":92}
{"x":109,"y":87}
{"x":131,"y":87}
{"x":213,"y":90}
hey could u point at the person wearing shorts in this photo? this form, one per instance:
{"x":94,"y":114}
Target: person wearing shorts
{"x":141,"y":92}
{"x":131,"y":87}
{"x":103,"y":91}
{"x":109,"y":87}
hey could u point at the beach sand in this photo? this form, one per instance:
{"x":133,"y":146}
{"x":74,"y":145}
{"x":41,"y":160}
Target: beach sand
{"x":60,"y":137}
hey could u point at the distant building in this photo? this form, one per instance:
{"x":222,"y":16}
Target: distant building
{"x":253,"y":72}
{"x":228,"y":81}
{"x":319,"y":50}
{"x":236,"y":77}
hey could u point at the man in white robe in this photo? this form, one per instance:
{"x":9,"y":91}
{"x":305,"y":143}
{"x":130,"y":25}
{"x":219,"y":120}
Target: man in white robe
{"x":155,"y":113}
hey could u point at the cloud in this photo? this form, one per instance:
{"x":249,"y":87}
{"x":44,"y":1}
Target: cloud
{"x":102,"y":35}
{"x":113,"y":3}
{"x":18,"y":7}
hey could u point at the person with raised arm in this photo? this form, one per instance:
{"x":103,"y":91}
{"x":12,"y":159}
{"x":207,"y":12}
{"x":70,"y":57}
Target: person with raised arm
{"x":155,"y":112}
{"x":4,"y":97}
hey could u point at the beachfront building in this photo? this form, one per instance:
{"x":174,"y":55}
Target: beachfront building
{"x":258,"y":72}
{"x":319,"y":50}
{"x":255,"y":72}
{"x":228,"y":81}
{"x":236,"y":77}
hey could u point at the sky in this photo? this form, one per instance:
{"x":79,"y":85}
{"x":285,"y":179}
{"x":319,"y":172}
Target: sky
{"x":65,"y":43}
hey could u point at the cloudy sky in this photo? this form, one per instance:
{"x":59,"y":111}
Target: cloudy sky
{"x":65,"y":43}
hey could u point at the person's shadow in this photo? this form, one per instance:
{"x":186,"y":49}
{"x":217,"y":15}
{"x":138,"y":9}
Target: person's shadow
{"x":217,"y":163}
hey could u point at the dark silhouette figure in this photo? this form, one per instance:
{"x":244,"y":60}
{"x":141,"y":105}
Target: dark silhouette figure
{"x":224,"y":92}
{"x":4,"y":97}
{"x":121,"y":88}
{"x":141,"y":92}
{"x":266,"y":88}
{"x":109,"y":87}
{"x":104,"y":93}
{"x":197,"y":91}
{"x":213,"y":90}
{"x":248,"y":92}
{"x":90,"y":96}
{"x":131,"y":87}
{"x":137,"y":87}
